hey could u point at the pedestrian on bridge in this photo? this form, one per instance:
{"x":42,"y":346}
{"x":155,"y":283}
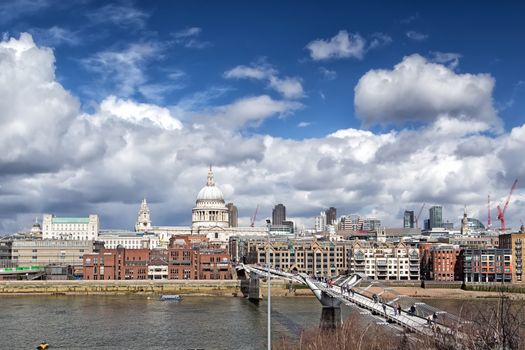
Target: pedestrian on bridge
{"x":399,"y":309}
{"x":384,"y":308}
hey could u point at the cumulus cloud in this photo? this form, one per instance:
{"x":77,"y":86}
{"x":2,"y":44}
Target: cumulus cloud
{"x":342,"y":45}
{"x":251,"y":111}
{"x":57,"y":159}
{"x":418,"y":90}
{"x":139,"y":113}
{"x":289,"y":87}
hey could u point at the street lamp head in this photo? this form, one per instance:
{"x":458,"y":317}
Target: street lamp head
{"x":268,"y":221}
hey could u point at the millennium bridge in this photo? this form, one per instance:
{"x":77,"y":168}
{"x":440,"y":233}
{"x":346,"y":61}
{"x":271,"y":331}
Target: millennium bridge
{"x":387,"y":306}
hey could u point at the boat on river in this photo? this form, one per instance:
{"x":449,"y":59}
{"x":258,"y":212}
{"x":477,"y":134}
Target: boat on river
{"x":175,"y":297}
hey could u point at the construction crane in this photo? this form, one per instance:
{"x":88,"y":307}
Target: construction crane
{"x":419,"y":214}
{"x":501,"y":213}
{"x":254,"y":217}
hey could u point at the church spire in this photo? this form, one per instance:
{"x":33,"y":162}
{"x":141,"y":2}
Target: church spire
{"x":143,"y":219}
{"x":210,"y":182}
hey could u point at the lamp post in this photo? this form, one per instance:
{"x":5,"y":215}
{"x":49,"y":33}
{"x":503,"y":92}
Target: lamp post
{"x":269,"y":286}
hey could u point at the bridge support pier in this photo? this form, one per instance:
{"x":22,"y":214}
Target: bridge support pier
{"x":330,"y":317}
{"x":254,"y":288}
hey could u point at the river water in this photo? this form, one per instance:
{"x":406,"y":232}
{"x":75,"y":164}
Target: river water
{"x":136,"y":322}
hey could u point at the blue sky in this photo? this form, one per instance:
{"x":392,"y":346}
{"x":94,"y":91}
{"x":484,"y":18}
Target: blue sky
{"x":488,"y":38}
{"x":273,"y":73}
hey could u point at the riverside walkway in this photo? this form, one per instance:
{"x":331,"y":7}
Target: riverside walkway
{"x":382,"y":302}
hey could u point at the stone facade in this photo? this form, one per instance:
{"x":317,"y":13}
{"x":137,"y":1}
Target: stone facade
{"x":50,"y":251}
{"x":80,"y":229}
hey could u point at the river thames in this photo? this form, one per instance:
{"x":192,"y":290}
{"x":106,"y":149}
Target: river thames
{"x":136,"y":322}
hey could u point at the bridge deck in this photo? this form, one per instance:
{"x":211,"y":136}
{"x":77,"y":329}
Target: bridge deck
{"x":416,"y":322}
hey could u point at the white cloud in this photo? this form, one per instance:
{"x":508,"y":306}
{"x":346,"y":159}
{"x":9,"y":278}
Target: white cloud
{"x":250,"y":111}
{"x":327,"y":73}
{"x":303,"y":124}
{"x":289,"y":87}
{"x":188,"y":38}
{"x":416,"y":35}
{"x":418,"y":90}
{"x":57,"y":159}
{"x":342,"y":45}
{"x":241,"y":72}
{"x":379,"y":40}
{"x":124,"y":68}
{"x":187,"y":32}
{"x":56,"y":36}
{"x":450,"y":59}
{"x":139,"y":113}
{"x":123,"y":15}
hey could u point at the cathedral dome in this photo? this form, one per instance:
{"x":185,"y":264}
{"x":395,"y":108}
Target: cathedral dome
{"x":210,"y":193}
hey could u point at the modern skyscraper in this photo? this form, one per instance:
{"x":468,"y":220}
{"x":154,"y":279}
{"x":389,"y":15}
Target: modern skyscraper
{"x":436,"y":216}
{"x":233,"y":215}
{"x":278,"y":214}
{"x":408,"y":219}
{"x":331,"y":216}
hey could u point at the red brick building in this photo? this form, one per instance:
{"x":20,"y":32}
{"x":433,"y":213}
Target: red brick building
{"x":188,"y":257}
{"x":214,"y":264}
{"x":117,"y":264}
{"x":194,"y":257}
{"x":446,"y":263}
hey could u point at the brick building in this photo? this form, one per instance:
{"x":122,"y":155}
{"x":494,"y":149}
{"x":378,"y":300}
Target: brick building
{"x":194,"y":257}
{"x":117,"y":264}
{"x":514,"y":242}
{"x":446,"y":263}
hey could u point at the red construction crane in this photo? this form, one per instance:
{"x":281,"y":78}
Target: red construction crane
{"x":419,"y":214}
{"x":254,"y":217}
{"x":501,"y":213}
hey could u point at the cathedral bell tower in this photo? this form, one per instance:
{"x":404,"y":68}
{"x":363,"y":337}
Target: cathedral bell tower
{"x":143,"y":221}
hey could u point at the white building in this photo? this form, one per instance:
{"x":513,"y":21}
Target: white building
{"x":54,"y":251}
{"x":129,"y":240}
{"x":209,"y":217}
{"x":80,"y":228}
{"x":320,"y":222}
{"x":384,"y":261}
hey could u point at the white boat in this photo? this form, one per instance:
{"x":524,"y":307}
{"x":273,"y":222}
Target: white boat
{"x":171,"y":297}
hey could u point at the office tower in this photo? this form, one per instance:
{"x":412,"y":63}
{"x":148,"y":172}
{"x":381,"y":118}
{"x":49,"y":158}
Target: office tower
{"x":331,"y":216}
{"x":436,"y":216}
{"x":408,"y":219}
{"x":278,"y":214}
{"x":233,"y":215}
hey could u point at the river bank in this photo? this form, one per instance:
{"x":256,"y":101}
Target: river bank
{"x":209,"y":288}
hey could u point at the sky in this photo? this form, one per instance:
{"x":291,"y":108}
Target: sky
{"x":373,"y":108}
